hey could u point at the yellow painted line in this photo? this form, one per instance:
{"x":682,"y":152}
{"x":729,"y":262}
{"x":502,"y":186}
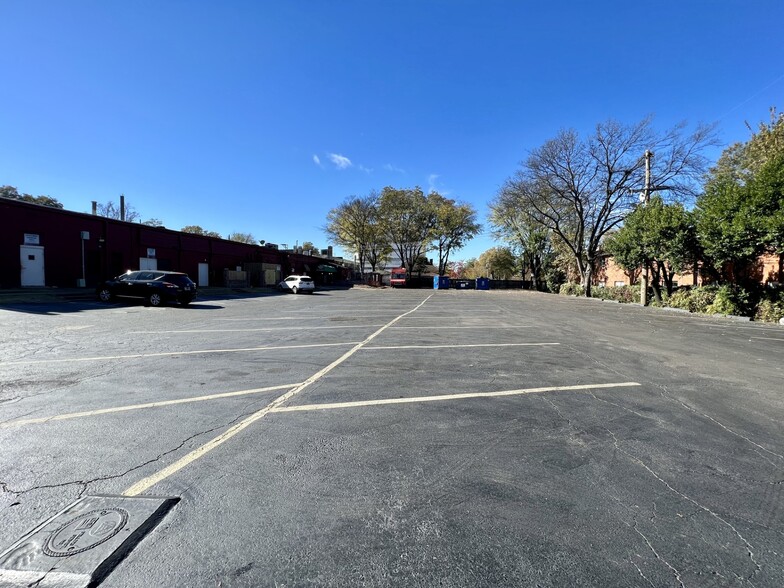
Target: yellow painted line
{"x":171,"y":353}
{"x":150,"y":481}
{"x":359,"y":403}
{"x":467,"y":345}
{"x":88,"y":413}
{"x":251,"y":330}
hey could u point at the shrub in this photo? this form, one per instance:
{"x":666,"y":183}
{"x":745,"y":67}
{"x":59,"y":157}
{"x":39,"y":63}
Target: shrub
{"x":730,"y":300}
{"x":624,"y":294}
{"x":771,"y":308}
{"x":680,"y":299}
{"x":554,"y":278}
{"x":700,"y":299}
{"x":570,"y":289}
{"x":693,"y":299}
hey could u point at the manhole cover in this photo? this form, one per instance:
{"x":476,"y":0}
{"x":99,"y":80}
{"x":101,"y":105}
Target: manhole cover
{"x":83,"y":543}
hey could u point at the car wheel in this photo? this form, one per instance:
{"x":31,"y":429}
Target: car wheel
{"x":154,"y":299}
{"x":295,"y":289}
{"x":105,"y":295}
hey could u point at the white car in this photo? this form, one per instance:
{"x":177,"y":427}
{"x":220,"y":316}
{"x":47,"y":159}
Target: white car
{"x":297,"y":284}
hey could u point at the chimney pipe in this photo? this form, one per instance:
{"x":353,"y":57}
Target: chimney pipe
{"x":122,"y":207}
{"x":95,"y":208}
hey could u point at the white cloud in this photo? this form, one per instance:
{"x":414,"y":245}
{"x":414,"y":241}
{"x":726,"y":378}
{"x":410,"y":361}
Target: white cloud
{"x":317,"y":161}
{"x":340,"y":161}
{"x":432,"y":185}
{"x":392,"y":168}
{"x":367,"y":170}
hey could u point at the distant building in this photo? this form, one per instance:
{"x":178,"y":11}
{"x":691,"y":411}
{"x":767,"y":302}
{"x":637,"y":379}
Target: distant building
{"x":45,"y":246}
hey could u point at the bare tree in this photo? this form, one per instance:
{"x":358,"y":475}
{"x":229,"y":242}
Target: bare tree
{"x":112,"y":210}
{"x":582,"y":189}
{"x":242,"y":238}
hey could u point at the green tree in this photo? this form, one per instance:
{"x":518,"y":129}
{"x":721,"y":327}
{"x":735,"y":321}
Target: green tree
{"x":582,"y":189}
{"x":309,"y":246}
{"x":455,"y":225}
{"x":354,"y":226}
{"x":12,"y":193}
{"x":378,"y":250}
{"x":197,"y":230}
{"x":515,"y":225}
{"x":741,"y":213}
{"x":153,"y":222}
{"x":657,"y":235}
{"x":408,"y":220}
{"x":498,"y":263}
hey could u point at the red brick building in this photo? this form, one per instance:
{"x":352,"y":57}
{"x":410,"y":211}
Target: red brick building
{"x":45,"y":246}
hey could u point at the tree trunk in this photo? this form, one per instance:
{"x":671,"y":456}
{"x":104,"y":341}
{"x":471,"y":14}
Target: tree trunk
{"x":655,"y":281}
{"x":668,"y":275}
{"x":587,"y":275}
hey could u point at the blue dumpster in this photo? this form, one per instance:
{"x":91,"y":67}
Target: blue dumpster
{"x":440,"y":282}
{"x":463,"y":284}
{"x":483,"y":283}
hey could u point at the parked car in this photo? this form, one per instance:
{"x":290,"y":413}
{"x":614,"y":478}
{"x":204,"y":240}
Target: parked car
{"x":155,"y":287}
{"x":297,"y":284}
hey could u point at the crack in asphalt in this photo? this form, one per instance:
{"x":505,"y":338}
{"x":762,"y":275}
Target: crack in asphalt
{"x":659,"y":557}
{"x":86,"y":483}
{"x":666,"y":394}
{"x":749,"y":547}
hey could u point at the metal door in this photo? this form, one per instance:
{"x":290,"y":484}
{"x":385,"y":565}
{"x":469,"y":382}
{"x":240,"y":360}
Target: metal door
{"x":204,"y":275}
{"x":148,"y":263}
{"x":32,"y":261}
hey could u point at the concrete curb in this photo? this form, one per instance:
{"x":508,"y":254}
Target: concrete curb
{"x":732,"y":317}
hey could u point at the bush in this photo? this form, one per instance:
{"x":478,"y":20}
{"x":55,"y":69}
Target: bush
{"x":680,"y":299}
{"x":694,"y":299}
{"x":624,"y":294}
{"x":730,"y":300}
{"x":570,"y":289}
{"x":771,"y":308}
{"x":554,"y":278}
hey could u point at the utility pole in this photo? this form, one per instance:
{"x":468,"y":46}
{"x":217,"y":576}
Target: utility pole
{"x":646,"y":198}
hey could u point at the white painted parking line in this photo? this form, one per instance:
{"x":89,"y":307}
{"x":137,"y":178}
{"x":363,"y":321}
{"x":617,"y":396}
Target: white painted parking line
{"x":150,"y":481}
{"x":385,"y":401}
{"x":485,"y":327}
{"x":769,"y":338}
{"x":466,"y":345}
{"x":300,"y":318}
{"x":249,"y":330}
{"x":88,"y":413}
{"x":173,"y":353}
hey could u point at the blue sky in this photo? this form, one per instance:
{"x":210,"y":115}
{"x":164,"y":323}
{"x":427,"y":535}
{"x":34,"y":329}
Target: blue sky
{"x":260,"y":116}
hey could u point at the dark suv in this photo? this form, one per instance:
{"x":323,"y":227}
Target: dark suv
{"x":156,"y":287}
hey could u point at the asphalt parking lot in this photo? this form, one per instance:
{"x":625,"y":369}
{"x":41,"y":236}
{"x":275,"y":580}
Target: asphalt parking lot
{"x":404,"y":438}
